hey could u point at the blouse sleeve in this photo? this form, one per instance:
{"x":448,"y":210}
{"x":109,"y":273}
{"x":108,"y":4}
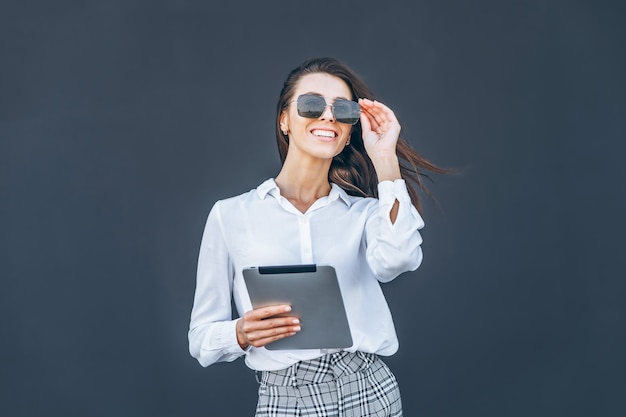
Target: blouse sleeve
{"x":393,"y":248}
{"x":212,"y":333}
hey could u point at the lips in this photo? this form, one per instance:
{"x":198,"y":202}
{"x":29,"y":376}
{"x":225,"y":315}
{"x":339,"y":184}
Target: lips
{"x":324,"y":133}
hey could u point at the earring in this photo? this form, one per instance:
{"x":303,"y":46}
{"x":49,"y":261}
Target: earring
{"x":348,"y":142}
{"x":284,"y":130}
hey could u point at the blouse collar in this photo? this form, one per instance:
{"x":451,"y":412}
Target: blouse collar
{"x":270,"y":187}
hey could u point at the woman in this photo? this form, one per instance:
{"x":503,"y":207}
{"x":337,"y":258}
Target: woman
{"x":340,"y":199}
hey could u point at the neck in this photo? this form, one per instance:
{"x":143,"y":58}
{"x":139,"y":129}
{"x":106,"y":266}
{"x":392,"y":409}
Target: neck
{"x":304,"y":181}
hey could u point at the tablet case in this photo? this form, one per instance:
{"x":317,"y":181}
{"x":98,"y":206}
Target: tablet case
{"x":315,"y":298}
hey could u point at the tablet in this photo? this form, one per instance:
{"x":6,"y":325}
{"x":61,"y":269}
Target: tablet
{"x":313,"y":293}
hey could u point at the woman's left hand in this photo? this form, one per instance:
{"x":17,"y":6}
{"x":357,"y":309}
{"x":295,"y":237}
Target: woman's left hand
{"x":380,"y":129}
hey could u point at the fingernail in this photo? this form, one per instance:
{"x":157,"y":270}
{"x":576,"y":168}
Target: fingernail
{"x":297,"y":328}
{"x":295,"y":321}
{"x":288,"y":308}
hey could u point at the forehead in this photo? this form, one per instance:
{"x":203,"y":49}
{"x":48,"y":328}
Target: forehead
{"x":325,"y":84}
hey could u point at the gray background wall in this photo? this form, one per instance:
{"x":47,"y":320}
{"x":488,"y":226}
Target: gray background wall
{"x":122,"y":122}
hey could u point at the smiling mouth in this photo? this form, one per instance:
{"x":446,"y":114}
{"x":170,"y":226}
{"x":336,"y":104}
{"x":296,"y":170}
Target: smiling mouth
{"x":324,"y":133}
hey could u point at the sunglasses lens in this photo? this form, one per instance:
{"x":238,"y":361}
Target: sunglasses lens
{"x":311,"y":106}
{"x":347,"y":111}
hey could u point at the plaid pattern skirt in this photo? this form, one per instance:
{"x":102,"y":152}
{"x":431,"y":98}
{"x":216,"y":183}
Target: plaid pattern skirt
{"x":341,"y":384}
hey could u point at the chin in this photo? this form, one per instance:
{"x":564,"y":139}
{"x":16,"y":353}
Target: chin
{"x":329,"y":153}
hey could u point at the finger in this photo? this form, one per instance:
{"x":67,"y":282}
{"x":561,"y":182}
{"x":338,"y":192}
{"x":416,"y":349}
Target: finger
{"x":376,"y":114}
{"x":366,"y":126}
{"x":383,"y":125}
{"x":380,"y":111}
{"x":249,"y":334}
{"x":367,"y":102}
{"x":375,"y":104}
{"x":268,"y":340}
{"x":275,"y":331}
{"x":381,"y":119}
{"x":265,"y":312}
{"x":262,"y":337}
{"x":385,"y":112}
{"x":372,"y":122}
{"x":252,"y":326}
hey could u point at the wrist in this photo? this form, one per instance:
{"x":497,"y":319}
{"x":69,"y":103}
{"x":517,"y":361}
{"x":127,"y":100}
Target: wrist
{"x":241,"y":339}
{"x":387,"y":167}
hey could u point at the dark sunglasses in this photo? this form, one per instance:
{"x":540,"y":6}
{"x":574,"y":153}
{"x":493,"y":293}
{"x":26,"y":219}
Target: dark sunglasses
{"x":312,"y":106}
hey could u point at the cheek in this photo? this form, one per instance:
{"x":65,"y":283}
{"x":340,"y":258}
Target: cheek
{"x":347,"y":134}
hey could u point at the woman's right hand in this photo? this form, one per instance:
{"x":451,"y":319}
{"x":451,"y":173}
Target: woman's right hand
{"x":258,"y":327}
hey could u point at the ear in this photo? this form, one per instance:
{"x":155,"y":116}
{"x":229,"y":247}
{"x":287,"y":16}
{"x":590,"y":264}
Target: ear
{"x":284,"y":121}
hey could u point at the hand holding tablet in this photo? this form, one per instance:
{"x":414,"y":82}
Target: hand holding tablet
{"x":315,"y":298}
{"x":260,"y":326}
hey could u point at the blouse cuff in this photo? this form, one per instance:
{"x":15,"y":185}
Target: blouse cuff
{"x":390,"y":191}
{"x":225,"y":339}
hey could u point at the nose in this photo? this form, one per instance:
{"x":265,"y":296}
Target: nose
{"x":327,"y":114}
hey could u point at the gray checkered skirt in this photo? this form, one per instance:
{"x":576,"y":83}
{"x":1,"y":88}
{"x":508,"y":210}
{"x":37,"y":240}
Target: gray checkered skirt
{"x":341,"y":384}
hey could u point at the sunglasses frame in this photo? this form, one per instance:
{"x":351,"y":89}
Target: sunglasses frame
{"x":326,"y":104}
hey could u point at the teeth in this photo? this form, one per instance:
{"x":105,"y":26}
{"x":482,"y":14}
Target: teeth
{"x":325,"y":133}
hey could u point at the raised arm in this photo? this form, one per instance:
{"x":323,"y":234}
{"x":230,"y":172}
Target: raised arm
{"x":381,"y":130}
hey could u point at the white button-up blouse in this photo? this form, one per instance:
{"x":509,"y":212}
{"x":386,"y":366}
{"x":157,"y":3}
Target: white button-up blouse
{"x":353,"y":234}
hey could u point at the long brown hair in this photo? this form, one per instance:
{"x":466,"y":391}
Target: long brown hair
{"x":352,"y":169}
